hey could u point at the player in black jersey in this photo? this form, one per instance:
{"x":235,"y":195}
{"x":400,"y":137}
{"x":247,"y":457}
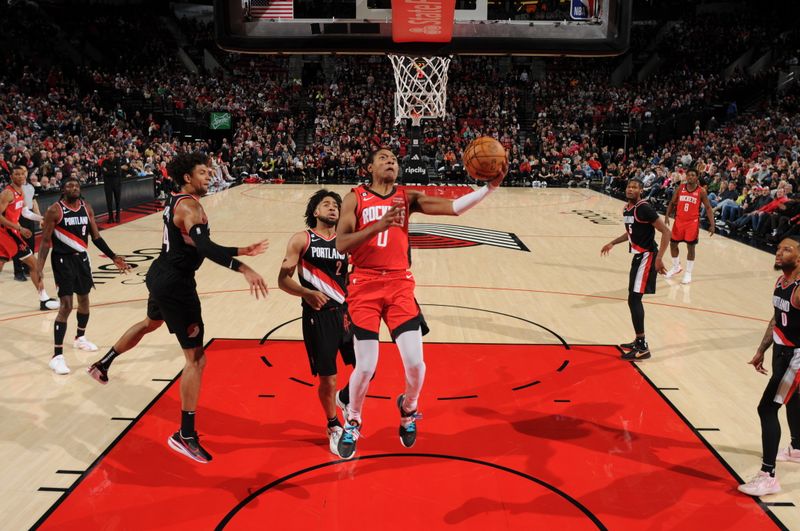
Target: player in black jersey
{"x":66,"y":228}
{"x":323,"y":288}
{"x":173,"y":292}
{"x":783,"y":333}
{"x":641,"y":222}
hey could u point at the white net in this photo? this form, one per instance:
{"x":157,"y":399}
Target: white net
{"x":421,"y":84}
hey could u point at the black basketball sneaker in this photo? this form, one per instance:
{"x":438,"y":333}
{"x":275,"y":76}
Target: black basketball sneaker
{"x":189,"y":446}
{"x":408,"y":424}
{"x":98,"y":372}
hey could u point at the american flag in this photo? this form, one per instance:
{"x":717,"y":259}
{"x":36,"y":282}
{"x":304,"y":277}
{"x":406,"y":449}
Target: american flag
{"x":272,"y":8}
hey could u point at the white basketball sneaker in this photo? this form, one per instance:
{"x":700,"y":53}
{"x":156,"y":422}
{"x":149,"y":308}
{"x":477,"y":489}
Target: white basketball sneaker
{"x":84,"y":344}
{"x":334,"y":434}
{"x":687,"y":278}
{"x":788,"y":454}
{"x":761,"y":484}
{"x":59,"y":365}
{"x":674,"y":271}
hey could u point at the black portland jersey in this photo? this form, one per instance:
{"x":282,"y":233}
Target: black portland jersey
{"x":178,"y":251}
{"x":324,"y":269}
{"x":639,"y":220}
{"x":71,"y":233}
{"x":787,"y":316}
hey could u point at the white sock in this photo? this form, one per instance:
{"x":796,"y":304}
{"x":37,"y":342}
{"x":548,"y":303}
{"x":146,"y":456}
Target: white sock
{"x":366,"y":362}
{"x":410,"y":346}
{"x":676,"y":262}
{"x":43,"y":296}
{"x":689,"y":266}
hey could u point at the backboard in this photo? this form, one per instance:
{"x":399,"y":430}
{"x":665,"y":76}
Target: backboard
{"x":479,"y":27}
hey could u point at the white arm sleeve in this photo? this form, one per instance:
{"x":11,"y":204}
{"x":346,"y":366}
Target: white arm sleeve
{"x":465,"y":202}
{"x":27,"y":213}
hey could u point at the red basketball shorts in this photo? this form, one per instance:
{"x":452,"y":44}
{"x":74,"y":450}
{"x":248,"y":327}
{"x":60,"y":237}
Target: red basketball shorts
{"x":11,"y":245}
{"x":375,"y":295}
{"x":686,"y":231}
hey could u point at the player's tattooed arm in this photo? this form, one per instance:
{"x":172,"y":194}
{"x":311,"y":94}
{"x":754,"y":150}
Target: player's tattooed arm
{"x":758,"y":360}
{"x":766,"y":341}
{"x":51,"y":217}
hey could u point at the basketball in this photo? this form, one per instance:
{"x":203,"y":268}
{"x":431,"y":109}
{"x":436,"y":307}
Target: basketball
{"x":483,"y":158}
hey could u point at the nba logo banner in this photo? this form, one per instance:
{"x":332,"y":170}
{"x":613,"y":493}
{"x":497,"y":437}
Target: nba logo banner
{"x":583,"y":9}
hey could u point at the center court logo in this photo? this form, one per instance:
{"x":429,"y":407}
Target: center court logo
{"x":444,"y":236}
{"x":139,"y":259}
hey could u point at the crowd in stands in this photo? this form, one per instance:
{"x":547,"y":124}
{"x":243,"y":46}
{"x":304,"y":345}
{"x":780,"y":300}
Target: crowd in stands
{"x":61,"y":120}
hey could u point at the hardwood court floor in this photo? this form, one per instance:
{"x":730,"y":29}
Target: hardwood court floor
{"x":702,"y":335}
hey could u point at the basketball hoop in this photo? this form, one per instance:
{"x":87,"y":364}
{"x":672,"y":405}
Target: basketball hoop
{"x":421,"y":84}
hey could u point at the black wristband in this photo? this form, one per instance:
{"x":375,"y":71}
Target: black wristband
{"x":103,"y":246}
{"x":235,"y":264}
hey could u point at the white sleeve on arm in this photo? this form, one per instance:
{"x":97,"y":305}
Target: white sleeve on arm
{"x":27,"y":213}
{"x":465,"y":202}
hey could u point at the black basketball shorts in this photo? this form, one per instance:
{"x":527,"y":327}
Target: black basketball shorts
{"x":174,"y":300}
{"x":643,"y":273}
{"x":324,"y":333}
{"x":72,"y":273}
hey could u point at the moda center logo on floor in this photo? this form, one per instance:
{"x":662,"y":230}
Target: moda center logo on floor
{"x":139,"y":260}
{"x":444,"y":236}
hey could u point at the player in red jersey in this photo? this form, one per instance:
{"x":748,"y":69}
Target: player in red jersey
{"x":12,"y":234}
{"x":374,"y":229}
{"x":685,"y":207}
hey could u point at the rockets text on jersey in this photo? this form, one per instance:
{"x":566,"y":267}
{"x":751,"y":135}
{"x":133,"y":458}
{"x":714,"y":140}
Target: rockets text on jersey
{"x":14,"y":209}
{"x":388,"y":250}
{"x":688,"y":207}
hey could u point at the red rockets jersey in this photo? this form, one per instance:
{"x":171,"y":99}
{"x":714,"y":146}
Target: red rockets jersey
{"x":688,"y":207}
{"x":388,"y":250}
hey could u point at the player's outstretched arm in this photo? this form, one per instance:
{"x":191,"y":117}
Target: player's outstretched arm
{"x":439,"y":206}
{"x":191,"y":217}
{"x":348,"y":238}
{"x":101,"y":244}
{"x":316,"y":299}
{"x":51,"y":217}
